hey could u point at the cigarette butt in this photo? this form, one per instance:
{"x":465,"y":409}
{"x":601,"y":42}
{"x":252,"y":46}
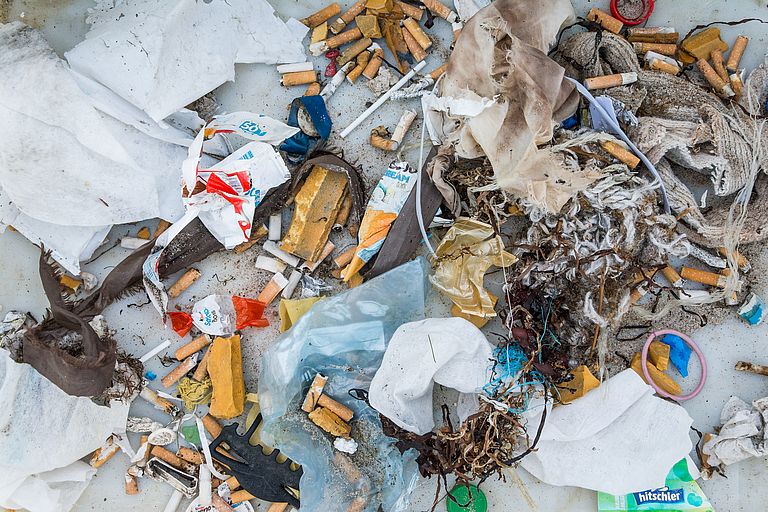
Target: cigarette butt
{"x":410,"y":10}
{"x":637,"y":294}
{"x":344,"y":211}
{"x":321,"y":16}
{"x":330,"y":422}
{"x":276,"y":220}
{"x":642,"y":276}
{"x":212,"y":425}
{"x":703,"y":277}
{"x":343,"y":259}
{"x":456,"y":27}
{"x":346,"y":18}
{"x":652,"y":34}
{"x":202,"y":369}
{"x":759,"y":369}
{"x":313,"y":89}
{"x":717,"y":83}
{"x":441,"y":10}
{"x":741,"y":260}
{"x":172,"y":459}
{"x":666,"y":67}
{"x":353,"y":51}
{"x":241,"y":496}
{"x":380,"y":142}
{"x":278,"y":507}
{"x":181,"y":370}
{"x":372,"y":69}
{"x":353,"y":75}
{"x":413,"y":47}
{"x":736,"y":53}
{"x":184,"y":282}
{"x":418,"y":34}
{"x":293,"y":282}
{"x":143,"y":233}
{"x":605,"y":20}
{"x":319,"y":33}
{"x":104,"y":453}
{"x":159,"y":402}
{"x":190,"y":455}
{"x":273,"y":249}
{"x":314,"y":393}
{"x":438,"y":72}
{"x":131,"y":485}
{"x":144,"y":441}
{"x":256,"y":235}
{"x":295,"y":67}
{"x":719,"y":65}
{"x":311,"y":266}
{"x":232,"y":483}
{"x":406,"y":120}
{"x":736,"y":84}
{"x":298,"y":78}
{"x":620,"y":153}
{"x":337,"y":273}
{"x":273,"y":289}
{"x":345,"y":37}
{"x":665,"y":49}
{"x":342,"y":411}
{"x":672,"y":276}
{"x":608,"y":81}
{"x":161,"y":227}
{"x":193,"y":346}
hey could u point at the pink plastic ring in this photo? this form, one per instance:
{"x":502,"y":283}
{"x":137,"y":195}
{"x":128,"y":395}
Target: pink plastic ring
{"x":647,"y":10}
{"x":693,"y":345}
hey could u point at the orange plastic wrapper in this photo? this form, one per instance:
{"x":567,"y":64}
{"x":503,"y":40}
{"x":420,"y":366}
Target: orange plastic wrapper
{"x":465,"y":254}
{"x":249,"y":313}
{"x":180,"y":322}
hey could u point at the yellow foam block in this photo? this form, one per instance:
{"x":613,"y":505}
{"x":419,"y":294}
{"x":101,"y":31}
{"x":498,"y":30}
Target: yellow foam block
{"x":225,"y":366}
{"x":582,"y":383}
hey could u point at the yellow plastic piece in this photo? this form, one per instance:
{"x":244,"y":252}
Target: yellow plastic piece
{"x":582,"y":383}
{"x":291,"y":310}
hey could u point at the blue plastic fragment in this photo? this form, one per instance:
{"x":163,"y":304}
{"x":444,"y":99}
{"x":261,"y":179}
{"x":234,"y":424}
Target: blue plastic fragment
{"x":571,"y":122}
{"x":150,"y":375}
{"x":679,"y":353}
{"x":753,"y":310}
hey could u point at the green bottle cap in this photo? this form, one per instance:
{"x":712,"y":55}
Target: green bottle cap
{"x":466,"y":500}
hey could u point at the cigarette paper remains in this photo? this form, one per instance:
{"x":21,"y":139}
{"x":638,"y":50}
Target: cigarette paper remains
{"x":152,"y":353}
{"x":295,"y":67}
{"x":184,"y":282}
{"x":270,"y":264}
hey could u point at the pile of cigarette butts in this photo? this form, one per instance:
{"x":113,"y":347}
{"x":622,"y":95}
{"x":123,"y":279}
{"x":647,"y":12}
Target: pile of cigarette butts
{"x":522,"y":287}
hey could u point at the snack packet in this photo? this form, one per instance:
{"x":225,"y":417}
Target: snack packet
{"x":385,"y":204}
{"x":219,"y":315}
{"x":681,"y":494}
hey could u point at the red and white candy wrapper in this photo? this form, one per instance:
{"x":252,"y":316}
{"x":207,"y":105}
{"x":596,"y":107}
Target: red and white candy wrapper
{"x":226,"y":194}
{"x":219,"y":315}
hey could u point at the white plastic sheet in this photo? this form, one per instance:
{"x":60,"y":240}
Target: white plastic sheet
{"x":618,"y":438}
{"x":43,"y":433}
{"x":447,"y":351}
{"x":161,"y":56}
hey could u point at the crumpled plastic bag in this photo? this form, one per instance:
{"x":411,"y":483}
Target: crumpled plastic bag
{"x":448,"y":351}
{"x":464,"y":255}
{"x":344,"y":338}
{"x":502,"y":55}
{"x":743,"y":435}
{"x":43,"y":429}
{"x":616,"y":439}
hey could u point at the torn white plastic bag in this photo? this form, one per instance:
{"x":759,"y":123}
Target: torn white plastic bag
{"x":161,"y":56}
{"x":448,"y":351}
{"x":617,"y":439}
{"x":225,"y":195}
{"x":43,"y":429}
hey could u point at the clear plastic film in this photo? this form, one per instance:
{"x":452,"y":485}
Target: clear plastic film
{"x":344,"y":338}
{"x":465,"y":254}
